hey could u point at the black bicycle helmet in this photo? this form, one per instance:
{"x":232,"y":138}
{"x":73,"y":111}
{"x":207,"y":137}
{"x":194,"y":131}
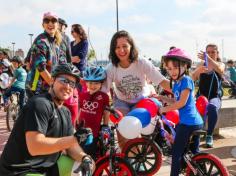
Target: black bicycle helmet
{"x":94,"y":74}
{"x":68,"y":69}
{"x":17,"y":59}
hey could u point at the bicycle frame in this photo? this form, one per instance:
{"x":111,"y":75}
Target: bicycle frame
{"x":112,"y":154}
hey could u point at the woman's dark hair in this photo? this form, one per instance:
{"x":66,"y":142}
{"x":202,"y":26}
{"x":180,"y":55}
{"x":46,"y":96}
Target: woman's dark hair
{"x":216,"y":48}
{"x":133,"y":50}
{"x":77,"y":28}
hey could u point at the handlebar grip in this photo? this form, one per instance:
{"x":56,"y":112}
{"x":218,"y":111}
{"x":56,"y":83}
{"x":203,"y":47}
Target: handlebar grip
{"x":113,"y":111}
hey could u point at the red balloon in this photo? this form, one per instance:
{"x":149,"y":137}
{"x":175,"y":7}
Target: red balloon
{"x":173,"y":116}
{"x":201,"y":105}
{"x":149,"y":105}
{"x":114,"y":119}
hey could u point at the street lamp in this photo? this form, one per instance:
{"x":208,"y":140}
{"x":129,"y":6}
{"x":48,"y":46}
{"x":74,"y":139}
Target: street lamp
{"x":31,"y":35}
{"x":117,"y":16}
{"x":13,"y":49}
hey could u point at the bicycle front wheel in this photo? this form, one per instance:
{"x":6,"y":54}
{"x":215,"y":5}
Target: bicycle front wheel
{"x":12,"y":112}
{"x":207,"y":164}
{"x":120,"y":167}
{"x":144,"y":156}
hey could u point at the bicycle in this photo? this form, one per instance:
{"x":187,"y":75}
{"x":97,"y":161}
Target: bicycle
{"x":147,"y":152}
{"x":12,"y":110}
{"x":110,"y":162}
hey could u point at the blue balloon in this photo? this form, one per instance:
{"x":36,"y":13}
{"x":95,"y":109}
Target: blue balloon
{"x":157,"y":102}
{"x":142,"y":114}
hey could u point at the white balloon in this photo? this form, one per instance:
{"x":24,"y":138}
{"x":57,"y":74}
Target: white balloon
{"x":4,"y":80}
{"x":130,"y":127}
{"x":150,"y":128}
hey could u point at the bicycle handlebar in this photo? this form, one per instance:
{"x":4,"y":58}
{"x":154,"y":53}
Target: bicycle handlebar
{"x":83,"y":171}
{"x":113,"y":111}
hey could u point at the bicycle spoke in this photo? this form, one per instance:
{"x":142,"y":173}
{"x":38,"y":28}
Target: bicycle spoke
{"x":210,"y":168}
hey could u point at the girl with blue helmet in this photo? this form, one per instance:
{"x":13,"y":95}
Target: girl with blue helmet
{"x":92,"y":105}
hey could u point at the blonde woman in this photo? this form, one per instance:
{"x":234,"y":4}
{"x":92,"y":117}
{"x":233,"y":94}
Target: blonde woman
{"x":44,"y":54}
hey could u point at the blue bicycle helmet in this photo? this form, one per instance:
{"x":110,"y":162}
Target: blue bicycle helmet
{"x":94,"y":74}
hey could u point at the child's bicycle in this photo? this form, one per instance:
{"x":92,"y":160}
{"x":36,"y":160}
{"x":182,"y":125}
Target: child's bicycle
{"x":111,"y":163}
{"x":146,"y":156}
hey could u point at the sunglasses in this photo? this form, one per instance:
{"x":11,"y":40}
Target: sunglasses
{"x":47,"y":20}
{"x":72,"y":31}
{"x":66,"y":81}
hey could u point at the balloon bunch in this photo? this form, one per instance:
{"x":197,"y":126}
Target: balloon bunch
{"x":142,"y":119}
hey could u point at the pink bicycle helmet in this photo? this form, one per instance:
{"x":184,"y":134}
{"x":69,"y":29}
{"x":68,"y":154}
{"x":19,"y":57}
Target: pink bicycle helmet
{"x":179,"y":54}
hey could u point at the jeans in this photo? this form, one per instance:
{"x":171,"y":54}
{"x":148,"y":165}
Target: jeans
{"x":123,"y":106}
{"x":183,"y":133}
{"x":10,"y":91}
{"x":212,"y":114}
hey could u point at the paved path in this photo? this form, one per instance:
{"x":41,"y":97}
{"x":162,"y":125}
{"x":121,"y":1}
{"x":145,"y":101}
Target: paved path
{"x":224,"y":145}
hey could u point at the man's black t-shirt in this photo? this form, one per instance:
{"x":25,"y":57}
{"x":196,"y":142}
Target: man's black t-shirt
{"x":40,"y":114}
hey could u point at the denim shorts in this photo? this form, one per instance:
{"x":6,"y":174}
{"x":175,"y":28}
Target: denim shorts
{"x":123,"y":106}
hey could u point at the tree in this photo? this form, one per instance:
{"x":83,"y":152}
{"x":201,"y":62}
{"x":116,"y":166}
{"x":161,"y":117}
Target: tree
{"x":91,"y":54}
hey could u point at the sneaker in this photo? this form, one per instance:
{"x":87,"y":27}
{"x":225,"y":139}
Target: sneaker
{"x":209,"y":141}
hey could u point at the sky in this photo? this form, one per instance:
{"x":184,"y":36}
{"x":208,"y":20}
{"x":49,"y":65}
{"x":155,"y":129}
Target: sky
{"x":155,"y":25}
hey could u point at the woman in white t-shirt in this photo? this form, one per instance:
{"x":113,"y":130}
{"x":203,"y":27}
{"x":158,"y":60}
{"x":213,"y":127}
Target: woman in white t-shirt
{"x":129,"y":75}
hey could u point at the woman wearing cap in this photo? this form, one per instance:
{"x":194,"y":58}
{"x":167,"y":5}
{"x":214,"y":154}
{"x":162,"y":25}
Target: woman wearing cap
{"x":79,"y":47}
{"x":177,"y":63}
{"x":209,"y":73}
{"x":44,"y":54}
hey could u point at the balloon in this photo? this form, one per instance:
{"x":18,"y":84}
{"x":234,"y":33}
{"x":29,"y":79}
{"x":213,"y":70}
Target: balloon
{"x":150,"y":128}
{"x":4,"y":80}
{"x":130,"y":127}
{"x":141,"y":114}
{"x":173,"y":116}
{"x":149,"y":105}
{"x":114,"y":119}
{"x":201,"y":104}
{"x":157,"y":102}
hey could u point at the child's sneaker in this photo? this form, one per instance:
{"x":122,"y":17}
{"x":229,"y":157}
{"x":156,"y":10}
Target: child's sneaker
{"x":209,"y":141}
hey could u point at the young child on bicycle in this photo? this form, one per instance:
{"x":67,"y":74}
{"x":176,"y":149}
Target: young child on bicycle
{"x":92,"y":105}
{"x":177,"y":63}
{"x":17,"y":84}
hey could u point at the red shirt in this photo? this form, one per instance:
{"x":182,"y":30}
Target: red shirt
{"x":92,"y":108}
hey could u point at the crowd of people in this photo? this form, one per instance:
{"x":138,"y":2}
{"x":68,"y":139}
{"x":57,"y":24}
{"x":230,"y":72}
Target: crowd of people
{"x":54,"y":75}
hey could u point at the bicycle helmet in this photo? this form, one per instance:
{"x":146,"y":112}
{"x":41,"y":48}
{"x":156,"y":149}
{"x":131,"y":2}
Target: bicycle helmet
{"x":68,"y":69}
{"x":180,"y":55}
{"x":17,"y":59}
{"x":94,"y":74}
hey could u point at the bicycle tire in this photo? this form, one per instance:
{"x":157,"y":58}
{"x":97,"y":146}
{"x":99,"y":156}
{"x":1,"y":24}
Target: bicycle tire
{"x":202,"y":160}
{"x":121,"y":165}
{"x":230,"y":92}
{"x":11,"y":116}
{"x":147,"y":163}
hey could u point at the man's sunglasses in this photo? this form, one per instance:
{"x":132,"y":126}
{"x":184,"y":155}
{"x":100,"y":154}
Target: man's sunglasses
{"x":47,"y":20}
{"x":66,"y":81}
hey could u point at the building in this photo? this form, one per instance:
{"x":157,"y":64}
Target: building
{"x":19,"y":52}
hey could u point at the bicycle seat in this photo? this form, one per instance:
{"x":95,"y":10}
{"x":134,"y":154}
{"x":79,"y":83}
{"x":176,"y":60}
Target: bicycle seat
{"x":198,"y":132}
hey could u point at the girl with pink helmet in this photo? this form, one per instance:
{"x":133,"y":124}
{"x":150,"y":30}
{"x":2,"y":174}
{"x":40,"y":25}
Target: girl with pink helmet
{"x":177,"y":64}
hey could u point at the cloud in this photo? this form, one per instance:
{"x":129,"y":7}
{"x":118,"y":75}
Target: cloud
{"x":187,"y":3}
{"x":137,"y":20}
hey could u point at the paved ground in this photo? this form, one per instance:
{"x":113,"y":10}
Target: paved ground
{"x":224,"y":145}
